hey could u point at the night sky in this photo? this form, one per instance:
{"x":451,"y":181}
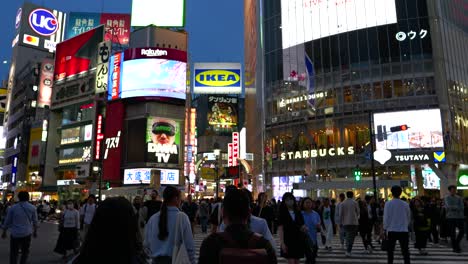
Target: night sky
{"x":215,"y":26}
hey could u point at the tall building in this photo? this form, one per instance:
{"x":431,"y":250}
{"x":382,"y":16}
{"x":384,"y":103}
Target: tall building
{"x":334,"y":68}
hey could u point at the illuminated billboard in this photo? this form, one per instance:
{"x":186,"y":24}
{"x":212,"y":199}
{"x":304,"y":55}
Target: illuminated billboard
{"x":430,"y":179}
{"x":77,"y":55}
{"x":217,"y":78}
{"x":145,"y":72}
{"x":414,"y":129}
{"x":306,"y":20}
{"x":76,"y":134}
{"x":114,"y":124}
{"x":143,"y":176}
{"x":45,"y":85}
{"x":116,"y":26}
{"x":222,"y":114}
{"x":161,"y":13}
{"x":163,"y":140}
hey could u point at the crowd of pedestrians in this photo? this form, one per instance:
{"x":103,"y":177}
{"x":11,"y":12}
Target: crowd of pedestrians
{"x":160,"y":231}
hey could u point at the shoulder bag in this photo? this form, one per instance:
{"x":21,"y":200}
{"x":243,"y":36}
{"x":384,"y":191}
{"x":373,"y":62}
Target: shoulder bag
{"x":179,"y":253}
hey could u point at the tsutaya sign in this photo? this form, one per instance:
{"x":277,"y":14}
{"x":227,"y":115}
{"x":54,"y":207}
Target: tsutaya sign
{"x":317,"y":153}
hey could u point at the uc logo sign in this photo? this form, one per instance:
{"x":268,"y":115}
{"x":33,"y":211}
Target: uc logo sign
{"x":218,"y":78}
{"x":43,"y":22}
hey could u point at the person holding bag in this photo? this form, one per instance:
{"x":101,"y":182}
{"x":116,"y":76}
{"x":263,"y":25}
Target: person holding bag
{"x":69,"y":229}
{"x":168,"y":233}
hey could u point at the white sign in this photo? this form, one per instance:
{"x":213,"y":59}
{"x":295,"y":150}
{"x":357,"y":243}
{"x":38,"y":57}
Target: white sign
{"x":143,"y":176}
{"x":243,"y":143}
{"x":161,"y":13}
{"x":102,"y":70}
{"x":306,"y":20}
{"x":88,"y":132}
{"x":235,"y":148}
{"x":230,"y":157}
{"x":411,"y":35}
{"x":66,"y":182}
{"x":153,"y":53}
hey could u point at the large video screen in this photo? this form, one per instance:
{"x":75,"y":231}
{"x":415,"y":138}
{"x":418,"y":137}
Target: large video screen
{"x":306,"y":20}
{"x":164,"y":13}
{"x":163,"y":140}
{"x":430,"y":179}
{"x":416,"y":129}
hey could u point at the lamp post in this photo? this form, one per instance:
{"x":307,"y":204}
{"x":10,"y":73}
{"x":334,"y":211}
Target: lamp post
{"x":97,"y":170}
{"x":217,"y":153}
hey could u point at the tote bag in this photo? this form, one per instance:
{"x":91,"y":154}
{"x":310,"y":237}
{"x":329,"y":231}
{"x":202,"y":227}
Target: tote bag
{"x":179,"y":253}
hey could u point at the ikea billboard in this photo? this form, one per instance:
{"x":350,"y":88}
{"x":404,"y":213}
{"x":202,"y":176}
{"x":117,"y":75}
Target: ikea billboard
{"x":217,"y":78}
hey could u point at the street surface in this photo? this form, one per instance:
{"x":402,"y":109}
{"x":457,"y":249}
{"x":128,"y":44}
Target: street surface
{"x":43,"y":246}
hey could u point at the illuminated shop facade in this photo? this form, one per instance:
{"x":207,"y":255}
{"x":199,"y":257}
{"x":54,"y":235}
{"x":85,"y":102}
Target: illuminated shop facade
{"x":330,"y":71}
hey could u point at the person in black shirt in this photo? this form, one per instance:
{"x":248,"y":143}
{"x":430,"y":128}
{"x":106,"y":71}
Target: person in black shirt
{"x":290,"y":229}
{"x":151,"y":207}
{"x":265,"y":211}
{"x":190,"y":209}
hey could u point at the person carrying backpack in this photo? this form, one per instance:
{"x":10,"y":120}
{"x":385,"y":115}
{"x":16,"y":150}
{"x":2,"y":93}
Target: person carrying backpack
{"x":237,"y":244}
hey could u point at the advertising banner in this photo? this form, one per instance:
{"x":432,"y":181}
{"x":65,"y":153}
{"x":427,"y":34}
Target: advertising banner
{"x":35,"y":148}
{"x":163,"y":140}
{"x":78,"y":54}
{"x":45,"y":85}
{"x":40,"y":28}
{"x":164,"y":13}
{"x":222,"y":114}
{"x":116,"y":26}
{"x":217,"y":78}
{"x":143,"y":176}
{"x":102,"y":71}
{"x":115,"y":115}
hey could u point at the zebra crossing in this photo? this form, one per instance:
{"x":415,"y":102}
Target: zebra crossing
{"x":437,"y":254}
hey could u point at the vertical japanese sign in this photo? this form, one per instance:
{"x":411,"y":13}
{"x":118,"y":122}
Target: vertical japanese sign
{"x":113,"y":135}
{"x":230,"y":157}
{"x":114,"y":80}
{"x":102,"y":71}
{"x":235,"y":148}
{"x":45,"y":85}
{"x":117,"y":27}
{"x":99,"y":138}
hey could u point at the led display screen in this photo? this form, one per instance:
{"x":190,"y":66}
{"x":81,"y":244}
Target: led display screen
{"x":417,"y":129}
{"x":306,"y":20}
{"x":430,"y":178}
{"x":163,"y":140}
{"x":161,"y":13}
{"x":282,"y":185}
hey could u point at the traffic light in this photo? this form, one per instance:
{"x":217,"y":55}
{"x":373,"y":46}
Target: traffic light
{"x":107,"y":185}
{"x":357,"y":174}
{"x":399,"y":128}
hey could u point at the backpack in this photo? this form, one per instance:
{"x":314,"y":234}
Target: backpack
{"x":233,"y":253}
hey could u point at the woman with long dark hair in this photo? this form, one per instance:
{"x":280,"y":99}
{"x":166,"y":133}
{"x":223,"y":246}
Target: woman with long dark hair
{"x":263,"y":210}
{"x":69,"y":227}
{"x":290,"y":229}
{"x":113,"y":235}
{"x":422,"y":225}
{"x":160,"y":235}
{"x":365,"y":226}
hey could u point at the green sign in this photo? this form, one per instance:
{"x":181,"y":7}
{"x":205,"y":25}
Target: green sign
{"x":462,"y":179}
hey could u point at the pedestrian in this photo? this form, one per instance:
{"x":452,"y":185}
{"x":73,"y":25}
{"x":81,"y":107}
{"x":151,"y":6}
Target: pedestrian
{"x":341,"y":232}
{"x":397,"y":217}
{"x":87,"y":213}
{"x":203,"y":213}
{"x":113,"y":235}
{"x":466,"y":217}
{"x":45,"y":211}
{"x":327,"y":224}
{"x":190,"y":209}
{"x":21,"y":221}
{"x":69,"y":228}
{"x":455,"y":215}
{"x":237,"y":244}
{"x":313,"y":224}
{"x":378,"y":228}
{"x":137,"y":206}
{"x":333,"y":213}
{"x":349,"y":214}
{"x":365,"y":226}
{"x":371,"y":209}
{"x":443,"y":227}
{"x":421,"y":225}
{"x":150,"y":207}
{"x":290,"y":229}
{"x":256,"y":224}
{"x":434,"y":215}
{"x":160,"y":233}
{"x":264,"y":210}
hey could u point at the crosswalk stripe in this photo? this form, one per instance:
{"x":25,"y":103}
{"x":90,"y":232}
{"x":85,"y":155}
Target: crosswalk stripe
{"x":440,"y":255}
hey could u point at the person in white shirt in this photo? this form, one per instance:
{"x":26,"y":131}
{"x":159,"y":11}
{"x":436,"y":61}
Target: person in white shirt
{"x":69,"y":228}
{"x":327,"y":224}
{"x":397,"y":217}
{"x":87,"y":214}
{"x":338,"y":219}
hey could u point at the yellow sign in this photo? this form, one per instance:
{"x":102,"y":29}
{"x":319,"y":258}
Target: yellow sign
{"x":217,"y":78}
{"x":208,"y":173}
{"x":439,"y":156}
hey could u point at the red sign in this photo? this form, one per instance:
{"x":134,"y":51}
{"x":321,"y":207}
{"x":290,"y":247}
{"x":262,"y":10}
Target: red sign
{"x":99,"y":138}
{"x":235,"y":148}
{"x":117,"y":27}
{"x":113,"y":146}
{"x":116,"y":75}
{"x":77,"y":54}
{"x":230,"y":158}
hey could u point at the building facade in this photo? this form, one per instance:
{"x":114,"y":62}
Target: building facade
{"x":330,"y":70}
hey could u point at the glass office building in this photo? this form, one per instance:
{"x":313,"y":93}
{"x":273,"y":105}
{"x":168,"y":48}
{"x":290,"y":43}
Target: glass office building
{"x":331,"y":67}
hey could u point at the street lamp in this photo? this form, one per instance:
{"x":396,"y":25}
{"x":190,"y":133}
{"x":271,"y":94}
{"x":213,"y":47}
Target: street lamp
{"x":217,"y":153}
{"x":97,"y":170}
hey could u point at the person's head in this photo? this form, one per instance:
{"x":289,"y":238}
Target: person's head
{"x":289,"y":201}
{"x":333,"y":201}
{"x":418,"y":203}
{"x":367,"y":198}
{"x":307,"y":204}
{"x":171,"y":196}
{"x":452,"y":189}
{"x":23,"y":196}
{"x":91,"y":199}
{"x":70,"y":205}
{"x":189,"y":198}
{"x":163,"y":132}
{"x":154,"y":195}
{"x":236,"y":207}
{"x":113,"y":229}
{"x":362,"y":204}
{"x":349,"y":194}
{"x":137,"y":202}
{"x":396,"y":191}
{"x":342,"y":197}
{"x":249,"y":195}
{"x":326,"y":202}
{"x":262,"y":199}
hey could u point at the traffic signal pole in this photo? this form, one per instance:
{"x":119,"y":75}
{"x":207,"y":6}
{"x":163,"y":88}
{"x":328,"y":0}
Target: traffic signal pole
{"x":371,"y":134}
